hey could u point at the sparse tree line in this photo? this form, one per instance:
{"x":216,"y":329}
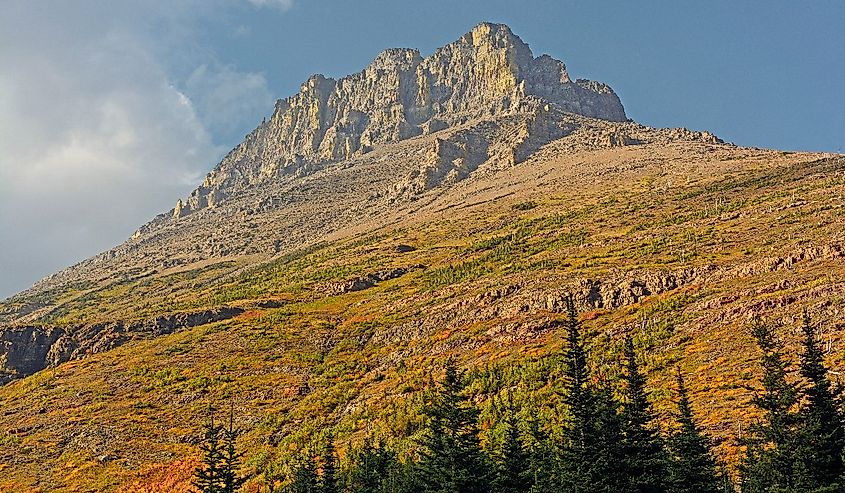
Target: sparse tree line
{"x":608,"y":442}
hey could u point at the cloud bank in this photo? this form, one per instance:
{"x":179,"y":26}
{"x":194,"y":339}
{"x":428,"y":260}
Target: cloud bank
{"x":96,"y":136}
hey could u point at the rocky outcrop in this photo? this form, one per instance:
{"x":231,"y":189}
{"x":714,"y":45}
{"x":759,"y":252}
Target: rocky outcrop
{"x":367,"y":281}
{"x":403,"y":248}
{"x":489,"y":143}
{"x":487,"y":72}
{"x":28,"y":349}
{"x":522,"y":311}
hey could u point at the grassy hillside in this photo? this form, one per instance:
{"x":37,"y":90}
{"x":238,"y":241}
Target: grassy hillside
{"x":682,"y":244}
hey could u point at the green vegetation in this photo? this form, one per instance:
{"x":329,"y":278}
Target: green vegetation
{"x":800,"y":442}
{"x":692,"y":466}
{"x":303,"y":363}
{"x":600,"y":442}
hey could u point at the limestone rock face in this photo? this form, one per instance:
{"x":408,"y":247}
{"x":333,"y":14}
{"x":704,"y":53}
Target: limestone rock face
{"x":487,"y":72}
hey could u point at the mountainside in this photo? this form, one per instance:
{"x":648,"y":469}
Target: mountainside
{"x":424,"y":208}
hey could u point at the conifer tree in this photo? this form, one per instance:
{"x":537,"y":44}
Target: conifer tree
{"x":580,"y":401}
{"x":820,"y":465}
{"x":541,"y":460}
{"x":329,"y":477}
{"x":304,"y":477}
{"x":208,"y":478}
{"x":770,"y":455}
{"x":402,"y":477}
{"x":590,"y":461}
{"x":605,"y":447}
{"x":230,"y":459}
{"x":692,"y":469}
{"x":452,"y":460}
{"x":372,"y":469}
{"x":512,"y":460}
{"x":644,"y":455}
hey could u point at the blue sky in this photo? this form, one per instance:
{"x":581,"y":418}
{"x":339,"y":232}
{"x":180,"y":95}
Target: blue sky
{"x":110,"y":111}
{"x":767,"y":74}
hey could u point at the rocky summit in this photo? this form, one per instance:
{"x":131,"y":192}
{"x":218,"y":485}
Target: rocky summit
{"x":488,"y":72}
{"x":423,"y":210}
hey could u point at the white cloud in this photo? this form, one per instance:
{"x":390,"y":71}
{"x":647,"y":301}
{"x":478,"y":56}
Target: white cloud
{"x":225,"y":98}
{"x":96,"y":136}
{"x":282,"y":4}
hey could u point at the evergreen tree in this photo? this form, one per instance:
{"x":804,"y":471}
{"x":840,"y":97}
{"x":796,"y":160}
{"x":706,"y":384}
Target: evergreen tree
{"x":770,"y":456}
{"x":589,"y":458}
{"x":230,"y":459}
{"x":693,"y":469}
{"x":402,"y":477}
{"x":328,"y":480}
{"x":304,"y":477}
{"x":372,"y":469}
{"x":512,"y":460}
{"x":208,"y":478}
{"x":819,"y":463}
{"x":541,"y":460}
{"x":581,"y":404}
{"x":578,"y":398}
{"x":452,"y":460}
{"x":605,"y":447}
{"x":644,"y":456}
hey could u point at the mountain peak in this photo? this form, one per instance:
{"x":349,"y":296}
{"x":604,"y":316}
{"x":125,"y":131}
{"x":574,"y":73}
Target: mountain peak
{"x":488,"y":72}
{"x":393,"y":57}
{"x":488,"y":33}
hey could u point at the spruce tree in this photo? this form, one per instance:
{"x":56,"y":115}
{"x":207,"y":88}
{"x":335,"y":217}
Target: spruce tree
{"x":208,"y":478}
{"x":692,"y":469}
{"x":590,"y":456}
{"x":644,"y":455}
{"x":820,"y":465}
{"x":605,"y":447}
{"x":329,"y":477}
{"x":770,"y":454}
{"x":372,"y":469}
{"x":542,"y":459}
{"x":402,"y":477}
{"x":304,"y":477}
{"x":512,"y":460}
{"x":230,"y":459}
{"x":452,"y":459}
{"x":580,"y":401}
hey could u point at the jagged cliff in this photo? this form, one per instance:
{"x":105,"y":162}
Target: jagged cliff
{"x":487,"y":72}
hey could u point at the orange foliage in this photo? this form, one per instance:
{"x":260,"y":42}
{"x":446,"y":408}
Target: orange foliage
{"x":594,"y":314}
{"x":174,"y":477}
{"x":250,"y":315}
